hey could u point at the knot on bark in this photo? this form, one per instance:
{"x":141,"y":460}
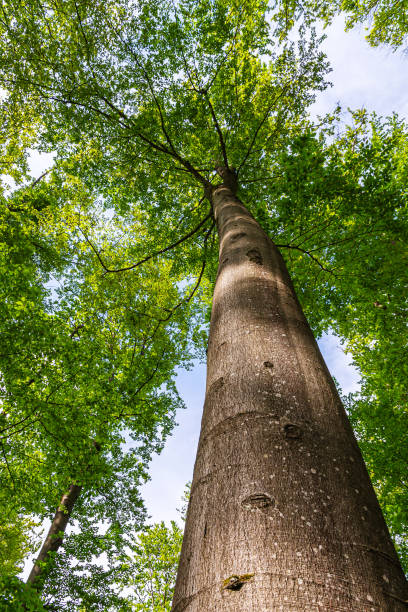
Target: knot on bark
{"x":235,"y":582}
{"x":292,"y":431}
{"x":237,"y":236}
{"x":255,"y":256}
{"x":208,"y":191}
{"x":257,"y":501}
{"x":216,"y":385}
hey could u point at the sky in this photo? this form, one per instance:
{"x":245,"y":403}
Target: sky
{"x":374,"y":78}
{"x":363,"y":76}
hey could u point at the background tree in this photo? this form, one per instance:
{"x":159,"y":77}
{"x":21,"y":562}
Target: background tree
{"x":78,"y":360}
{"x":16,"y":542}
{"x":154,"y":562}
{"x":15,"y":595}
{"x":136,"y":565}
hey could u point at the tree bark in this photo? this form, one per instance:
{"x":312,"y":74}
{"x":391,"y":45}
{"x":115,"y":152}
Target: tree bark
{"x":282,"y":513}
{"x":58,"y":526}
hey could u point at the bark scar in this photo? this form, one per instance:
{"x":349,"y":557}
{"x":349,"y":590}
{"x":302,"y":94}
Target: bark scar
{"x":237,"y":236}
{"x":257,"y":501}
{"x":292,"y":431}
{"x":217,"y":385}
{"x":255,"y":256}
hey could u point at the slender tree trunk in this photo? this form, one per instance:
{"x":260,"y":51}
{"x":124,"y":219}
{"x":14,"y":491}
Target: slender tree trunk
{"x":56,"y":532}
{"x":282,"y":513}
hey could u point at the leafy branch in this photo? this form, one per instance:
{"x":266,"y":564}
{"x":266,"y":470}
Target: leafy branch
{"x":168,"y":248}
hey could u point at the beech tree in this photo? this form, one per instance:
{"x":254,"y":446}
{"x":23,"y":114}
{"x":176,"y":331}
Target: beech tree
{"x":183,"y":113}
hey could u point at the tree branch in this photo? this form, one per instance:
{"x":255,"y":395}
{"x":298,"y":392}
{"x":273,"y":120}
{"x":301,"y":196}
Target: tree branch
{"x":219,"y":132}
{"x":44,"y":174}
{"x":200,"y":276}
{"x":184,"y":162}
{"x":148,"y":379}
{"x":264,"y":118}
{"x":291,"y":246}
{"x":8,"y":466}
{"x":168,"y":248}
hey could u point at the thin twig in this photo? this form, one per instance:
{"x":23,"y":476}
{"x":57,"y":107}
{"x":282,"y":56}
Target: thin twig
{"x":40,"y":178}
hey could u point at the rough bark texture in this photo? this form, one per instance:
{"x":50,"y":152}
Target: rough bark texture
{"x":53,"y":541}
{"x":282,"y":514}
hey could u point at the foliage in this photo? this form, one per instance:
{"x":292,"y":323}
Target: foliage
{"x":77,"y":367}
{"x":378,"y":421}
{"x":120,"y":565}
{"x":385,"y":22}
{"x":80,"y":360}
{"x":154,"y":561}
{"x":155,"y":95}
{"x":119,"y":568}
{"x":15,"y":596}
{"x":16,"y":542}
{"x":155,"y":106}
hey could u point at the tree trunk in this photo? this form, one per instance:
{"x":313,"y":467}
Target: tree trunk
{"x":282,"y":513}
{"x":56,"y":532}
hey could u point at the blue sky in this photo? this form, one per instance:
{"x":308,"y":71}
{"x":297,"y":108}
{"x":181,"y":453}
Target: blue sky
{"x":361,"y":77}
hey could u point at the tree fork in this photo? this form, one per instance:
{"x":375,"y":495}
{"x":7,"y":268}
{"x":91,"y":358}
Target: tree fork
{"x":282,"y":513}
